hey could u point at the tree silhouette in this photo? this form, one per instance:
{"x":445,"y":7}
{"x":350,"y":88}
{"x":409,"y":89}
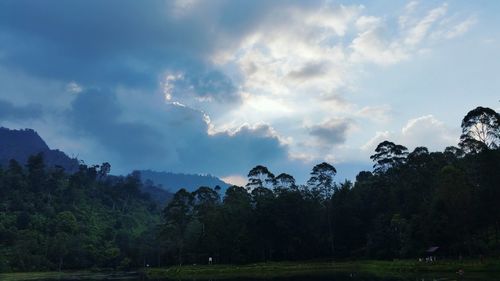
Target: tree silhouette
{"x":480,"y":130}
{"x":321,"y":179}
{"x":285,"y":180}
{"x":259,"y":176}
{"x":388,"y":155}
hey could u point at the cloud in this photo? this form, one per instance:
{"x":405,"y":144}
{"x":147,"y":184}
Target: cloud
{"x":201,"y":89}
{"x":430,"y":132}
{"x":96,"y":114}
{"x":418,"y":32}
{"x":11,"y":112}
{"x":372,"y":143}
{"x":331,"y":132}
{"x":454,"y":28}
{"x":408,"y":11}
{"x":461,"y":28}
{"x":308,"y":71}
{"x":177,"y":140}
{"x":235,"y":180}
{"x":82,"y":42}
{"x":199,"y":86}
{"x":371,"y":46}
{"x":426,"y":131}
{"x":376,"y":113}
{"x":379,"y":43}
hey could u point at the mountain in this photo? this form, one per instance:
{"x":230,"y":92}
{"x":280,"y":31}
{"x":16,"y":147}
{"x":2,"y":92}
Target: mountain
{"x":21,"y":144}
{"x":157,"y":194}
{"x":173,"y":181}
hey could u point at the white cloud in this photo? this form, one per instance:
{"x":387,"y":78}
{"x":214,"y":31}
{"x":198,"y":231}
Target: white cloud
{"x":367,"y":22}
{"x":73,"y":87}
{"x":370,"y":46}
{"x":375,"y":113}
{"x":418,"y":32}
{"x":235,"y":180}
{"x":335,"y":18}
{"x":408,"y":12}
{"x":425,"y":131}
{"x":372,"y":143}
{"x":430,"y":132}
{"x":379,"y":41}
{"x":181,"y":8}
{"x":301,"y":65}
{"x":460,"y":28}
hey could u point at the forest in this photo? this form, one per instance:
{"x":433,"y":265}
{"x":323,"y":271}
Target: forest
{"x":409,"y":202}
{"x":52,"y":220}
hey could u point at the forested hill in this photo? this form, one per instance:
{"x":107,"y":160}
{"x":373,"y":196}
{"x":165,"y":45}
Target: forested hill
{"x":175,"y":181}
{"x":21,"y":144}
{"x":51,"y":220}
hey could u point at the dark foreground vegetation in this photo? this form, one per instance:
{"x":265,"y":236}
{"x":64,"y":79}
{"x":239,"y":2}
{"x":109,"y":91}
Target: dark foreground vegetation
{"x":410,"y":202}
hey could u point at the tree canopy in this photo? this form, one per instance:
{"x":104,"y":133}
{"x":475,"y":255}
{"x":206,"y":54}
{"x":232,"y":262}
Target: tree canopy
{"x":50,"y":219}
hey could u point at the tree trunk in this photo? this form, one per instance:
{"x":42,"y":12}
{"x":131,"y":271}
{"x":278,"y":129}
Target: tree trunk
{"x":61,"y":259}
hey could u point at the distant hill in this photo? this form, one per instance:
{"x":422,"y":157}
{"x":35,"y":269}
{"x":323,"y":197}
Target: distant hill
{"x":21,"y":144}
{"x":173,"y":181}
{"x":160,"y":196}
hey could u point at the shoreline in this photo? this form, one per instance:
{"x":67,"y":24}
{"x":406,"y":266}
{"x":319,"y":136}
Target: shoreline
{"x":286,"y":269}
{"x":70,"y":275}
{"x":376,"y":268}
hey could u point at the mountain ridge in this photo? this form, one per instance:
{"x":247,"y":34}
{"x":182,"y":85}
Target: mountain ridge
{"x":172,"y":182}
{"x":20,"y":144}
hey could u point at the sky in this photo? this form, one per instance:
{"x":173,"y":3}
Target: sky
{"x":220,"y":86}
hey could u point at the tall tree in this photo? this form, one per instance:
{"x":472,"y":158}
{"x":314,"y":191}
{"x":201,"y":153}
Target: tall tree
{"x":480,"y":130}
{"x":388,"y":155}
{"x":321,"y":183}
{"x":260,"y":176}
{"x":285,"y":180}
{"x":321,"y":180}
{"x":178,"y":214}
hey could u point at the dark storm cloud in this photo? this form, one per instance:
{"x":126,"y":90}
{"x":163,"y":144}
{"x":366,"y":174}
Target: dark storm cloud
{"x":120,"y":41}
{"x":237,"y":152}
{"x":9,"y":111}
{"x":176,"y":141}
{"x":96,"y":114}
{"x":132,"y":45}
{"x":101,"y":42}
{"x":210,"y":85}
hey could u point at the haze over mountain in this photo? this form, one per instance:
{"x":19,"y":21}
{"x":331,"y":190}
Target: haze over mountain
{"x":21,"y":144}
{"x":174,"y":181}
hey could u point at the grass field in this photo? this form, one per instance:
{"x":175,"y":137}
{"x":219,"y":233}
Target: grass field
{"x":65,"y":275}
{"x":283,"y":269}
{"x":487,"y":270}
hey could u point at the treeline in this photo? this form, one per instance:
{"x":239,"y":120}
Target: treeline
{"x":52,"y":220}
{"x":411,"y":201}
